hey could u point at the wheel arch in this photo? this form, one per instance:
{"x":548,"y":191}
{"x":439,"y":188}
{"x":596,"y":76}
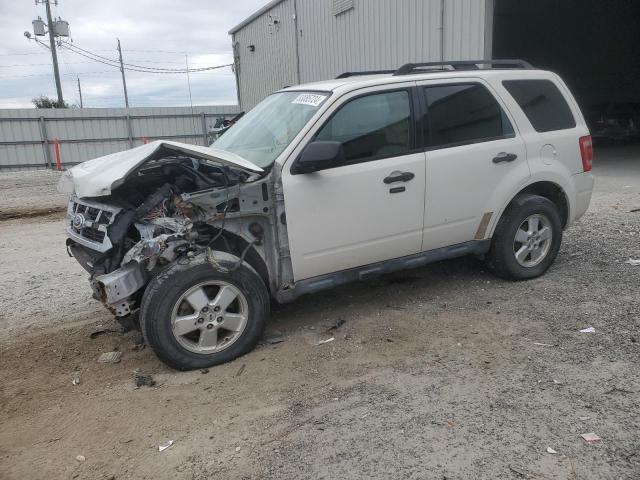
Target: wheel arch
{"x":235,"y":244}
{"x":547,"y":189}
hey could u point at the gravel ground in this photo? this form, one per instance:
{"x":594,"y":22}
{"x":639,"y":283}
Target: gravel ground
{"x":28,"y":191}
{"x":440,"y":372}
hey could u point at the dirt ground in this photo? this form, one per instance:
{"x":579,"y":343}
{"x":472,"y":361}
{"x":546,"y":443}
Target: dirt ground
{"x":443,"y":372}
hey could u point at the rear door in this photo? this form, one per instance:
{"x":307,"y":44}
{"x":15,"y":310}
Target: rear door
{"x":474,"y":157}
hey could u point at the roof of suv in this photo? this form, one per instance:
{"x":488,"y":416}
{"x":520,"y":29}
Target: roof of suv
{"x":355,"y":81}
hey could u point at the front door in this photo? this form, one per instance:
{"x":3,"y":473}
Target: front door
{"x":474,"y":159}
{"x":371,"y":208}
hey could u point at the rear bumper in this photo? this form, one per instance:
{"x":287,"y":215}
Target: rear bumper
{"x":583,"y":184}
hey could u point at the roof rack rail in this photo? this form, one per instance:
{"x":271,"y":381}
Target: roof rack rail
{"x":410,"y":68}
{"x":364,"y":72}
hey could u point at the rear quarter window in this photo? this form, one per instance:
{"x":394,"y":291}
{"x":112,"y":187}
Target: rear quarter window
{"x":542,"y":103}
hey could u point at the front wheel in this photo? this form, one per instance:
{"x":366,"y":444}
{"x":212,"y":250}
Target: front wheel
{"x":527,"y":238}
{"x":195,"y":316}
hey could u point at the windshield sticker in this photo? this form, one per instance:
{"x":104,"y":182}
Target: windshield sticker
{"x":311,"y":99}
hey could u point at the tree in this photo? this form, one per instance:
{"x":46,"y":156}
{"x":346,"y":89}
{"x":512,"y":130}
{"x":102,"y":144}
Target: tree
{"x":47,"y":102}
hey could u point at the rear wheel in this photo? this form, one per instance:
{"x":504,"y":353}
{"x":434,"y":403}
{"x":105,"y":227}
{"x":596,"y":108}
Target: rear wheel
{"x":194,"y":316}
{"x":527,"y":238}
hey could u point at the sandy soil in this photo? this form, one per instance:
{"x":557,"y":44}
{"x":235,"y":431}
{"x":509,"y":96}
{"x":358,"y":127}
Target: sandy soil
{"x":436,"y":373}
{"x":26,"y":191}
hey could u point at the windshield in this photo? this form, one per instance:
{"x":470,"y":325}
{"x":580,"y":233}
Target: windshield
{"x":263,"y":133}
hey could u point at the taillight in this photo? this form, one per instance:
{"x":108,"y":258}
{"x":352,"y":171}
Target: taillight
{"x":586,"y":151}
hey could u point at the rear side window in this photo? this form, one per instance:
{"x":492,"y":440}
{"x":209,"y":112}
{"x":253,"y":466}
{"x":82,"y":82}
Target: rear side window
{"x":461,"y":114}
{"x":542,"y":103}
{"x":372,"y":127}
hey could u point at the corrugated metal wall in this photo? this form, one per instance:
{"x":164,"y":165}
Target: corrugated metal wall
{"x":272,"y":65}
{"x":375,"y":34}
{"x":27,"y":135}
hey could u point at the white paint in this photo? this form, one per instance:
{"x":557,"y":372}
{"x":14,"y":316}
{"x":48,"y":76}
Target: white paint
{"x":344,"y":217}
{"x":548,"y":154}
{"x":463,"y":183}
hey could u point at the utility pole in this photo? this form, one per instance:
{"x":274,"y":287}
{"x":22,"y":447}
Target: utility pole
{"x":54,"y":54}
{"x":193,"y":120}
{"x":80,"y":93}
{"x":124,"y":82}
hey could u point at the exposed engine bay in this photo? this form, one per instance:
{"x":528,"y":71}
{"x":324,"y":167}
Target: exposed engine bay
{"x":171,"y":208}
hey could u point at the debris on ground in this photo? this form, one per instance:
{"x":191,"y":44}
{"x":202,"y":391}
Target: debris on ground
{"x":142,"y":380}
{"x":519,"y":470}
{"x":240,"y":370}
{"x":551,"y":451}
{"x":617,"y":390}
{"x":322,"y":342}
{"x":585,"y":418}
{"x":633,"y":262}
{"x":76,"y":379}
{"x":338,"y":323}
{"x":238,"y":449}
{"x":137,"y":347}
{"x":110,"y":357}
{"x":163,"y":446}
{"x":204,"y":371}
{"x":81,"y":458}
{"x":103,"y":331}
{"x":273,"y":339}
{"x":588,"y":330}
{"x":542,"y":344}
{"x":590,"y":437}
{"x":138,"y":342}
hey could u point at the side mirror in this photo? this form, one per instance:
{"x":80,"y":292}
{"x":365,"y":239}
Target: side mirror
{"x":319,"y":156}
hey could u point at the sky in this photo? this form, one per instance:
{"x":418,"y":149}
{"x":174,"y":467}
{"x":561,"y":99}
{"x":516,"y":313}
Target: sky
{"x":154,"y":33}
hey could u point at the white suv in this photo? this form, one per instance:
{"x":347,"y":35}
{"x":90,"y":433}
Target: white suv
{"x":328,"y":183}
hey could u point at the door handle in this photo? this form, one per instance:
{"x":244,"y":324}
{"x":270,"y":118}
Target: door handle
{"x":504,"y":157}
{"x":399,"y":177}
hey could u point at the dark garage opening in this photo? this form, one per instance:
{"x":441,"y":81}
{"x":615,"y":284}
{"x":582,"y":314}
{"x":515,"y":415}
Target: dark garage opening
{"x":593,"y":45}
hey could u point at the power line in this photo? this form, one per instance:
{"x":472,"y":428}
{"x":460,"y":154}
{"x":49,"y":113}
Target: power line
{"x":87,"y":62}
{"x":170,"y":51}
{"x":133,"y":67}
{"x":102,"y":72}
{"x":20,"y":54}
{"x":37,"y":64}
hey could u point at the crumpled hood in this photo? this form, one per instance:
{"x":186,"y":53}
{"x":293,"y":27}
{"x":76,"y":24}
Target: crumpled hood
{"x":98,"y":177}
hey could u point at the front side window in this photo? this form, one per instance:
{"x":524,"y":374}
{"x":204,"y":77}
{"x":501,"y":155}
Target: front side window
{"x":461,"y":114}
{"x":542,"y":103}
{"x":372,"y":127}
{"x":263,"y":133}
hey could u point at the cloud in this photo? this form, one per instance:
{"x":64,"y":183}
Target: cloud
{"x":153,"y":34}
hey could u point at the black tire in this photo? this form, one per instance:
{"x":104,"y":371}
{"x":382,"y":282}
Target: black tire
{"x":501,"y":257}
{"x":165,"y":290}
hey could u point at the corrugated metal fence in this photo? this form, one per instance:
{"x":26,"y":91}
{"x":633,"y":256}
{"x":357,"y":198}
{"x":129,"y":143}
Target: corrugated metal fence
{"x":29,"y":138}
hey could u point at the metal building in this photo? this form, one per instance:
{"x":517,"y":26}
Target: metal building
{"x":297,"y":41}
{"x":594,"y":45}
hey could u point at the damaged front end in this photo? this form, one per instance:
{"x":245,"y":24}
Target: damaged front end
{"x":174,"y":203}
